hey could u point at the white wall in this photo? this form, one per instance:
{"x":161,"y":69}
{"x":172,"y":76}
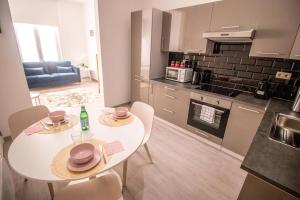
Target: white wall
{"x":90,"y":24}
{"x":14,"y":93}
{"x":68,"y":16}
{"x":72,"y":31}
{"x":114,"y":16}
{"x":114,"y":19}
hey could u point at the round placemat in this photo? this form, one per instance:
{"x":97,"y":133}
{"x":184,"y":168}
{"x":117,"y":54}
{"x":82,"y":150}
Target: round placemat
{"x":59,"y":163}
{"x":108,"y":120}
{"x":73,"y":121}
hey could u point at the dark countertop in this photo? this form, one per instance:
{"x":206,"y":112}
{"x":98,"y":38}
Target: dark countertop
{"x":243,"y":97}
{"x":270,"y":160}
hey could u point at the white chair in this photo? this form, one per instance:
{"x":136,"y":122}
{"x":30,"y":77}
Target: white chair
{"x":20,"y":120}
{"x":146,"y":113}
{"x":108,"y":186}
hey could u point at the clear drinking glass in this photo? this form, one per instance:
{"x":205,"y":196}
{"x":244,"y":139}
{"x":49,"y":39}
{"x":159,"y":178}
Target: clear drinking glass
{"x":77,"y":137}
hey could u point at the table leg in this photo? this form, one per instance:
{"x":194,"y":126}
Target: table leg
{"x":51,"y":190}
{"x":124,"y":173}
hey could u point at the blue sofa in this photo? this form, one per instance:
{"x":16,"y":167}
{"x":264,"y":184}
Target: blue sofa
{"x":42,"y":74}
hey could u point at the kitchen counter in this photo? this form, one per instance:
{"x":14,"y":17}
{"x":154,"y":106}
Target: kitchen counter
{"x":270,"y":160}
{"x":267,"y":159}
{"x":243,"y":97}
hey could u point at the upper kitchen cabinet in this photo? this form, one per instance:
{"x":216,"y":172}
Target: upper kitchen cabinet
{"x":234,"y":15}
{"x":295,"y":54}
{"x":147,"y":60}
{"x":183,"y":29}
{"x":277,"y":25}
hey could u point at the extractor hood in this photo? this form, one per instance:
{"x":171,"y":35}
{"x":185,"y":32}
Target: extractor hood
{"x":230,"y":36}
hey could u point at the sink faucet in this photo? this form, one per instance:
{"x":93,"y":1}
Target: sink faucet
{"x":296,"y":105}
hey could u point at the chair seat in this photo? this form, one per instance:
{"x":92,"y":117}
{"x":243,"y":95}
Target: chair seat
{"x":106,"y":187}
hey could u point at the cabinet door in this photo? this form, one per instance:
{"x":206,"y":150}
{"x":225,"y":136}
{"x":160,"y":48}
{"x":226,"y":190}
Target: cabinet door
{"x":295,"y":54}
{"x":136,"y":43}
{"x":277,"y":26}
{"x":241,"y":127}
{"x":183,"y":29}
{"x":139,"y":90}
{"x":234,"y":14}
{"x":165,"y":33}
{"x":171,"y":104}
{"x":196,"y":22}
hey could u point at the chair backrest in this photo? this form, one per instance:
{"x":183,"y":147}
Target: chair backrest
{"x":146,"y":113}
{"x":7,"y":188}
{"x":20,"y":120}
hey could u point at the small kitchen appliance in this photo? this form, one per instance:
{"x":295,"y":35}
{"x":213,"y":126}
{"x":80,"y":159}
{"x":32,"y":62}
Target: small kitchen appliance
{"x":262,"y":90}
{"x":182,"y":75}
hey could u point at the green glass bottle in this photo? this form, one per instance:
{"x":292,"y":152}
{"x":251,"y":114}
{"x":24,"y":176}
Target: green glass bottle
{"x":84,"y":119}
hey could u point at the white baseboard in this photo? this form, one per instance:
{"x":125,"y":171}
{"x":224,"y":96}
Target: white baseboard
{"x":201,"y":139}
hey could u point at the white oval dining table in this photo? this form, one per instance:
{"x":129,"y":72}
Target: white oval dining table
{"x":31,"y":156}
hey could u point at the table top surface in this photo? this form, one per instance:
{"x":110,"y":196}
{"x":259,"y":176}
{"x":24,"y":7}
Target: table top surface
{"x":31,"y":156}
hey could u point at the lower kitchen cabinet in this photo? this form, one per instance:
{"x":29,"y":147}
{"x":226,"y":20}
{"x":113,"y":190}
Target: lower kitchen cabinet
{"x":242,"y":125}
{"x":255,"y":188}
{"x":171,"y":104}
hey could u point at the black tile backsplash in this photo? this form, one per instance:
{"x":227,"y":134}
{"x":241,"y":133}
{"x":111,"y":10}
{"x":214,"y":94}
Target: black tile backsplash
{"x":233,"y":68}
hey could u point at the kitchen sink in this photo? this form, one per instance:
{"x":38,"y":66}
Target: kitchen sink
{"x":286,"y":129}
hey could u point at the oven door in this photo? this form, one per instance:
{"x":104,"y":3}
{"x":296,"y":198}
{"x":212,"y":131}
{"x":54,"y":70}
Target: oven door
{"x":215,"y":127}
{"x":172,"y":74}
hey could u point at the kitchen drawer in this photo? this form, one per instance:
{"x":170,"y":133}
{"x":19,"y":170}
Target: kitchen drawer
{"x":205,"y":135}
{"x":176,"y":115}
{"x":212,"y":100}
{"x":174,"y":92}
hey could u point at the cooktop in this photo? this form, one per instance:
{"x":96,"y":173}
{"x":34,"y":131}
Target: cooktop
{"x":219,"y":90}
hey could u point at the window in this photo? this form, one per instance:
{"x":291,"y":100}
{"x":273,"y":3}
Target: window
{"x":38,"y":42}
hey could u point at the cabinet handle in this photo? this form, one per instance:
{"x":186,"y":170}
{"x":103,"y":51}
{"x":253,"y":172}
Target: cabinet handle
{"x":170,"y":96}
{"x":169,"y":111}
{"x":230,"y":27}
{"x":162,"y":43}
{"x":203,"y":134}
{"x":268,"y":53}
{"x":218,"y":102}
{"x":168,"y":88}
{"x":247,"y":109}
{"x":138,"y":80}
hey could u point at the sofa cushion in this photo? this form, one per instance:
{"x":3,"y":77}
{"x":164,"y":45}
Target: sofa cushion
{"x":34,"y":71}
{"x":61,"y":69}
{"x":34,"y":64}
{"x":51,"y":66}
{"x":66,"y":77}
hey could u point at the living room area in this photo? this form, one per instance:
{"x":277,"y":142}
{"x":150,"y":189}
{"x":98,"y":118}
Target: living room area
{"x":58,"y":45}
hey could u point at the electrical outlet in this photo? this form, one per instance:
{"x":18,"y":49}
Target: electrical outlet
{"x":283,"y":75}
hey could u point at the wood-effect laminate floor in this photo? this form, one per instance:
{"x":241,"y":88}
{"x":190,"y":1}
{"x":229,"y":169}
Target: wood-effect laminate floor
{"x":183,"y":169}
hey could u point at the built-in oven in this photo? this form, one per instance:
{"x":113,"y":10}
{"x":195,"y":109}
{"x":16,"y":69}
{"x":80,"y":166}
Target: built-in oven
{"x":209,"y":115}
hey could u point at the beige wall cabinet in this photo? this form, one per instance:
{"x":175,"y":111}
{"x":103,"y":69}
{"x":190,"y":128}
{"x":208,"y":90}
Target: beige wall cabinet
{"x":295,"y":54}
{"x":147,"y":60}
{"x":234,"y":15}
{"x":241,"y":127}
{"x":277,"y":26}
{"x":171,"y":104}
{"x":183,"y":29}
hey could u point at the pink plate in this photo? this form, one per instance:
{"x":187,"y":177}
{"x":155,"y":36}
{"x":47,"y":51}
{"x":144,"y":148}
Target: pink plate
{"x":86,"y":166}
{"x":121,"y":111}
{"x":120,"y":117}
{"x":57,"y":116}
{"x":49,"y":122}
{"x":82,"y":153}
